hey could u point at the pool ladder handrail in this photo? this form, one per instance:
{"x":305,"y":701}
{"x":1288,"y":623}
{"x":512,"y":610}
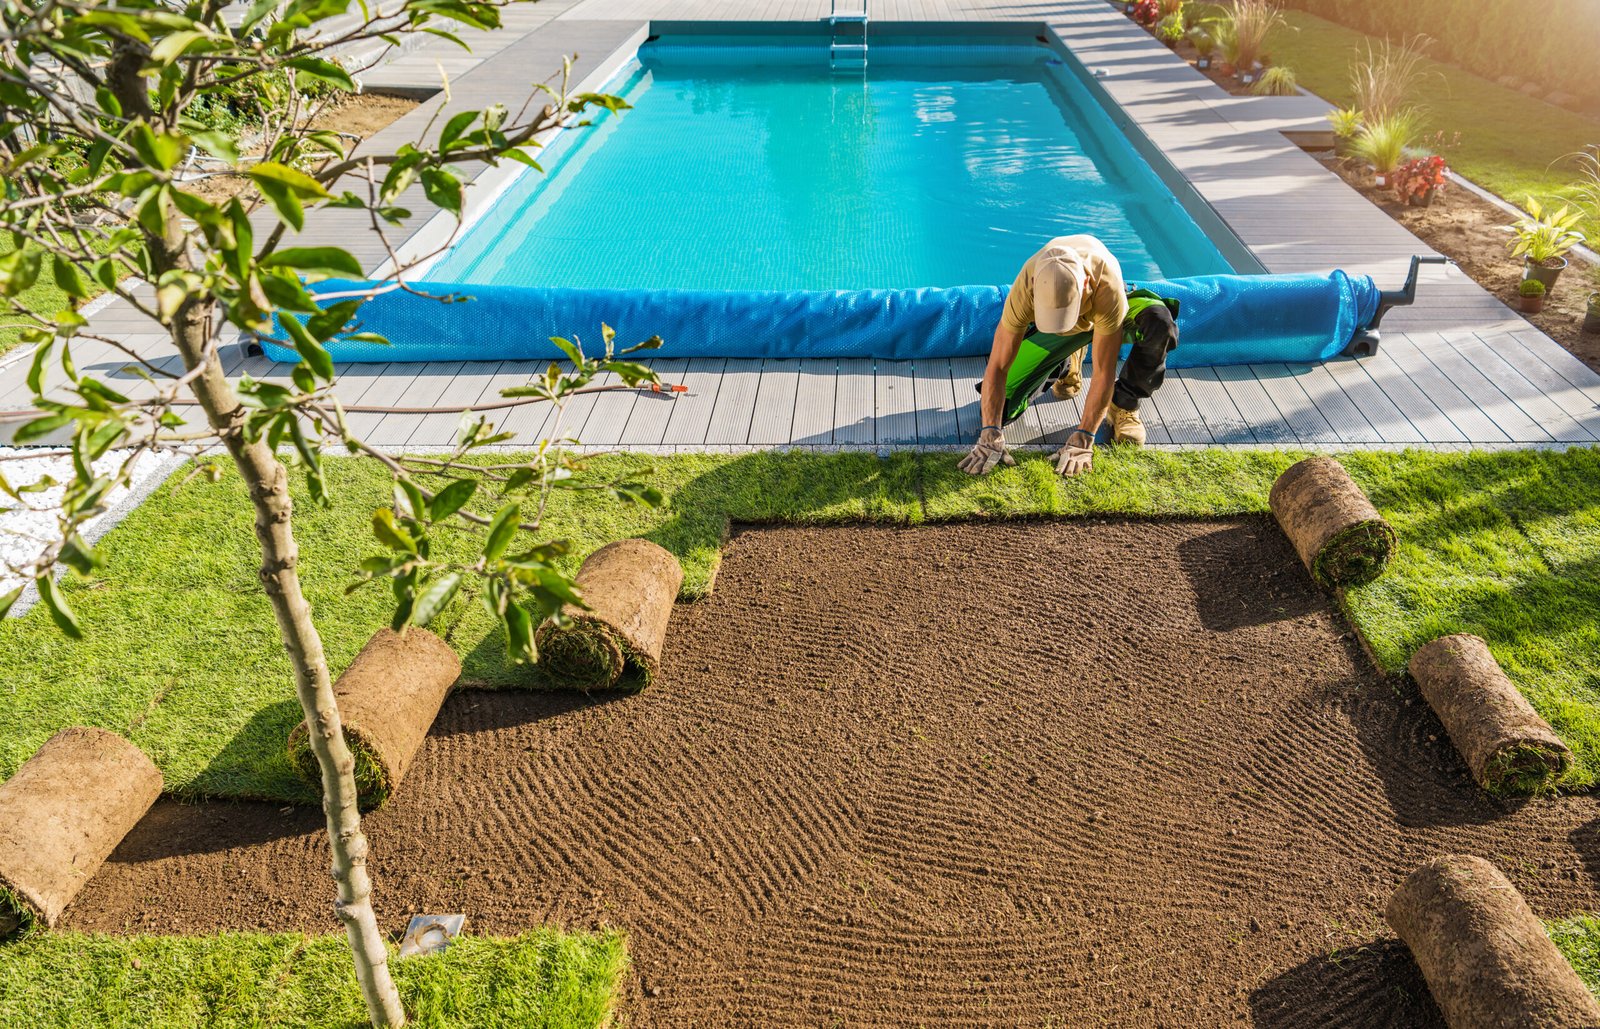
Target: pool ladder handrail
{"x":848,"y":53}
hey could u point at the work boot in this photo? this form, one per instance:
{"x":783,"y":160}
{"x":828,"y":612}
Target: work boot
{"x":1070,"y":382}
{"x":1126,"y":426}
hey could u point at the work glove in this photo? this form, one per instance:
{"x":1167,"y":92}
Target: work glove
{"x":1077,"y":456}
{"x":989,"y":451}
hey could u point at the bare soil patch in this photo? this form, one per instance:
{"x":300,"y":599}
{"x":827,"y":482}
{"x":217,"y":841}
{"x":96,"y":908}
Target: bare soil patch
{"x":1468,"y":229}
{"x":1087,"y":773}
{"x":356,"y":114}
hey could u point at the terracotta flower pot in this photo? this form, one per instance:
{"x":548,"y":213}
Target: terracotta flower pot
{"x":1531,"y":305}
{"x":1423,"y":199}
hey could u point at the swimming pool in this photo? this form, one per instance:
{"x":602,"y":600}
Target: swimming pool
{"x":746,"y":163}
{"x":754,"y":203}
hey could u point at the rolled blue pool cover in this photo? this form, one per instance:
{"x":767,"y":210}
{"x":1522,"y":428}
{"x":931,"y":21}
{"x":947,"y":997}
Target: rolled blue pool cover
{"x":1223,"y":320}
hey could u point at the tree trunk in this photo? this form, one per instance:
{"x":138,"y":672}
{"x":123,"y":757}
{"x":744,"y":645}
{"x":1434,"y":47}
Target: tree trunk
{"x":268,"y":482}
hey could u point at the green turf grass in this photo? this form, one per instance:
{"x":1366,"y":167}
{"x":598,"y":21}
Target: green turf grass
{"x":1579,"y":939}
{"x":1511,"y":144}
{"x":541,"y":979}
{"x":183,"y":657}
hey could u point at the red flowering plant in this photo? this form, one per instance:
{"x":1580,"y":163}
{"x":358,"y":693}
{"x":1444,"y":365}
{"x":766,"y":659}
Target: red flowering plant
{"x":1147,"y":12}
{"x":1415,"y":181}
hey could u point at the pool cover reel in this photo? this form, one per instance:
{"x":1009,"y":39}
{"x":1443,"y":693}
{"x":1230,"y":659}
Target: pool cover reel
{"x":1224,"y":320}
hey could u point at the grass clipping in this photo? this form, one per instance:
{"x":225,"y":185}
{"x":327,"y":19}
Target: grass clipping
{"x":1508,"y":747}
{"x":388,"y":699}
{"x":1334,"y":527}
{"x":615,"y":642}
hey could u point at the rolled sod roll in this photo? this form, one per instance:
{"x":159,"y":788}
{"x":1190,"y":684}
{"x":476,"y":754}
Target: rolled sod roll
{"x":1508,"y":747}
{"x":630,"y":587}
{"x":1338,"y":533}
{"x":388,"y":699}
{"x":61,"y":815}
{"x":1485,"y":956}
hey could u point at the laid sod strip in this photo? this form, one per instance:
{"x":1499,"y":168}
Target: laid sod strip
{"x":1509,"y":748}
{"x":1578,"y":940}
{"x":1487,"y":959}
{"x":388,"y":699}
{"x":614,"y":641}
{"x":61,"y":816}
{"x":1505,"y":545}
{"x":1340,"y":536}
{"x":541,"y":980}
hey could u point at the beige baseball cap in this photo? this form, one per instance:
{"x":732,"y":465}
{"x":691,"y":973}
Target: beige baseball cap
{"x":1058,"y":277}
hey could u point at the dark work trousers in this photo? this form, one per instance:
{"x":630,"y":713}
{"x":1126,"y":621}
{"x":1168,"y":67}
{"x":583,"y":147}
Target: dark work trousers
{"x":1154,"y":336}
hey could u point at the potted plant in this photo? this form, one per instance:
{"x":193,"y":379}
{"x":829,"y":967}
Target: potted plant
{"x":1532,"y":294}
{"x":1170,"y":30}
{"x":1205,"y":44}
{"x":1346,"y":122}
{"x":1591,"y":314}
{"x":1416,"y":181}
{"x":1543,"y":239}
{"x":1147,"y":12}
{"x":1382,"y":144}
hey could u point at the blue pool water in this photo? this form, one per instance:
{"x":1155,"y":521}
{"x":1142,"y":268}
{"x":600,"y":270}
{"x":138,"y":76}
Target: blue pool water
{"x":752,"y":166}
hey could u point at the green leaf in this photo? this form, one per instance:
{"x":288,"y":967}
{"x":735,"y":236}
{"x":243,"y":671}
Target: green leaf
{"x":519,"y":635}
{"x":390,"y":534}
{"x":36,"y":370}
{"x":435,"y":598}
{"x":77,"y":555}
{"x":502,"y":530}
{"x":284,"y":201}
{"x":317,"y":69}
{"x":41,"y":427}
{"x":298,"y":181}
{"x":455,"y":127}
{"x":451,"y":499}
{"x":330,"y":261}
{"x":314,"y":354}
{"x":60,"y":612}
{"x":173,"y":46}
{"x":8,"y":600}
{"x":443,"y":189}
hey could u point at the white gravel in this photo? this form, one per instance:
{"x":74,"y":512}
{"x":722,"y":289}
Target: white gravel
{"x":26,"y":531}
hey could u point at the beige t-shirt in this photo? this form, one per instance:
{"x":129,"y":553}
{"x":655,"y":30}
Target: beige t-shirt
{"x":1105,"y":301}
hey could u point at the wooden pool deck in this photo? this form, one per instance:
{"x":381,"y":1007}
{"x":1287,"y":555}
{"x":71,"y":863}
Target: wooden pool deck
{"x":1458,"y":369}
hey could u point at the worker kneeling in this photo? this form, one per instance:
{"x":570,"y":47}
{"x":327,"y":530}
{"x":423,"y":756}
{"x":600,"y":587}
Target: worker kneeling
{"x":1069,"y":295}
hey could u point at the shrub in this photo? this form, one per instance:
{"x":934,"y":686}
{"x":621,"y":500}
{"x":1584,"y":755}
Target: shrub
{"x":1250,"y":22}
{"x":1147,"y":12}
{"x":1346,"y":122}
{"x":1531,"y":288}
{"x":1170,"y":29}
{"x":1542,"y":236}
{"x":1382,"y":142}
{"x":1276,"y":82}
{"x":1204,"y":43}
{"x":1420,"y":176}
{"x":1386,"y":75}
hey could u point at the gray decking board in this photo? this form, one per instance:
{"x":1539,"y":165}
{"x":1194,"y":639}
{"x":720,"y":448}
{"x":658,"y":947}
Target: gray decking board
{"x":1178,"y":413}
{"x":1382,"y":413}
{"x":1469,"y":419}
{"x":691,"y":412}
{"x":1256,"y":405}
{"x":1336,"y":405}
{"x":1516,"y":423}
{"x":895,"y":403}
{"x":647,"y":422}
{"x":1294,"y":404}
{"x":735,"y":408}
{"x":772,"y":422}
{"x":1513,"y":381}
{"x":855,"y":403}
{"x":1413,"y":401}
{"x":935,"y":405}
{"x":1222,"y":418}
{"x":815,"y":388}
